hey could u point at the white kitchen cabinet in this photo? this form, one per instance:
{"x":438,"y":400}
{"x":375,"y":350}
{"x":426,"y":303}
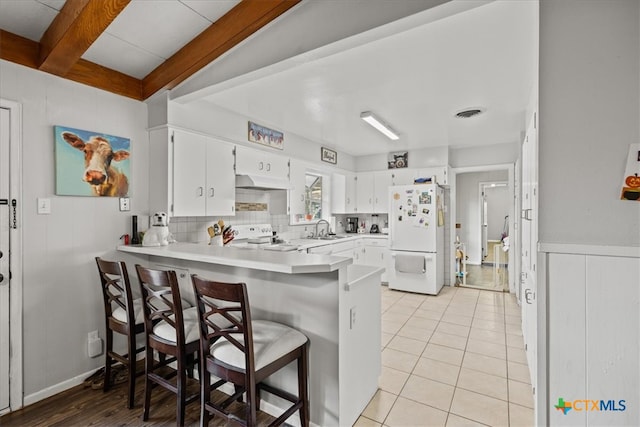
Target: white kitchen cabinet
{"x":404,"y":176}
{"x":343,"y":193}
{"x":296,"y":204}
{"x":333,"y":248}
{"x":365,"y":192}
{"x":440,"y":172}
{"x":190,"y":174}
{"x":372,"y":192}
{"x":257,"y":162}
{"x":381,"y":182}
{"x":374,"y":252}
{"x":348,"y":253}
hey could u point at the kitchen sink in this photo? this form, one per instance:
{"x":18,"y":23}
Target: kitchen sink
{"x":330,"y":237}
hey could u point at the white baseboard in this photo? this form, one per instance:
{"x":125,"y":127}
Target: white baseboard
{"x":56,"y":388}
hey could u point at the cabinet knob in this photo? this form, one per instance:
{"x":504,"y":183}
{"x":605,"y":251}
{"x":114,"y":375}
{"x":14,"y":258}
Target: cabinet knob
{"x":268,"y":167}
{"x":200,"y":191}
{"x":260,"y":166}
{"x":211,"y":192}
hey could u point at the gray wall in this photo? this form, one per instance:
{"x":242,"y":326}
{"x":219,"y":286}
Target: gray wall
{"x":61,"y":291}
{"x":589,"y":114}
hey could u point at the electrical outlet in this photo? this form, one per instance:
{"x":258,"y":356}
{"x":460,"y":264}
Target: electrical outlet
{"x":124,"y":204}
{"x":94,"y":344}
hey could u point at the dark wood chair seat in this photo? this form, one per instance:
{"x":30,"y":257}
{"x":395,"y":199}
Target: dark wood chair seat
{"x":171,"y":330}
{"x":123,"y":315}
{"x":243,"y":352}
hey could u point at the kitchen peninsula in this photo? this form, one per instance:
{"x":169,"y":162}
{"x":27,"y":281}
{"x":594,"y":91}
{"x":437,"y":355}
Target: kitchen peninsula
{"x":335,"y":303}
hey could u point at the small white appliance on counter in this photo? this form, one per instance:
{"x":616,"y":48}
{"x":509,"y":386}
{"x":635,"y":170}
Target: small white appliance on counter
{"x":416,"y":238}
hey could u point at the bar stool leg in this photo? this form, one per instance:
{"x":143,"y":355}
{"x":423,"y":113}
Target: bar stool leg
{"x":303,"y":369}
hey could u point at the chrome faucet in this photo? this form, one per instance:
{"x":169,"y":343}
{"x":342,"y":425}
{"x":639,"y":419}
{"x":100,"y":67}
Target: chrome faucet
{"x":327,"y":231}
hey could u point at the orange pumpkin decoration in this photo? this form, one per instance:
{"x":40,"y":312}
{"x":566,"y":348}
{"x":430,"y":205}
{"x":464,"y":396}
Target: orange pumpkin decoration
{"x":633,"y":181}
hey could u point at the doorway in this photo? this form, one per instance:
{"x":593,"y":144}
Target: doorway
{"x":483,"y":216}
{"x":10,"y":262}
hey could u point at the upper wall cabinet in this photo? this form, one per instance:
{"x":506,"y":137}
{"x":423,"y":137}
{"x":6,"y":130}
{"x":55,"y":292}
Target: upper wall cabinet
{"x":407,"y":176}
{"x":343,"y":193}
{"x":190,"y":174}
{"x":258,"y":162}
{"x":372,"y":191}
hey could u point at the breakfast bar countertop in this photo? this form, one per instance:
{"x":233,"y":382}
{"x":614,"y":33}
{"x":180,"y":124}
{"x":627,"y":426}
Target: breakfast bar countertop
{"x":281,"y":262}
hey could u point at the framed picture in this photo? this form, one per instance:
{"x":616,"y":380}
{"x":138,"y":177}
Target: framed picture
{"x":265,"y":136}
{"x":398,"y":160}
{"x":91,"y":163}
{"x":329,"y":156}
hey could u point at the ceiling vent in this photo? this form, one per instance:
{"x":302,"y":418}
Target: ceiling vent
{"x":468,"y":113}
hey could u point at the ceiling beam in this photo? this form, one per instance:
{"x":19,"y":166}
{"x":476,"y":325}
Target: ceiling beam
{"x":23,"y":51}
{"x":18,"y":49}
{"x":73,"y":31}
{"x":235,"y":26}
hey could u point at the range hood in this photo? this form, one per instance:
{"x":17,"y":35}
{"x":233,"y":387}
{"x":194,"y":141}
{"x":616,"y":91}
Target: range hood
{"x":262,"y":182}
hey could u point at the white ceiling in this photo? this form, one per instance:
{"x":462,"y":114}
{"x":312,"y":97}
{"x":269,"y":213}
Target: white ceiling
{"x":415,"y":80}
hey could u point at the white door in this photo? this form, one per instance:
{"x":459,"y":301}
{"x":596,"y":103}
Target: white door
{"x":484,"y":226}
{"x":5,"y":210}
{"x":221,"y":180}
{"x":189,"y":174}
{"x":529,"y":246}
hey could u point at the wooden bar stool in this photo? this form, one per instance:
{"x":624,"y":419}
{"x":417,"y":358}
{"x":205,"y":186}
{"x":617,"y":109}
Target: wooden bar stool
{"x":123,"y":315}
{"x":171,"y":331}
{"x":245,"y":352}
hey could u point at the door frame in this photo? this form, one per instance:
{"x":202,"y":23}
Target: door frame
{"x":15,"y":283}
{"x":513,"y":208}
{"x":484,"y":238}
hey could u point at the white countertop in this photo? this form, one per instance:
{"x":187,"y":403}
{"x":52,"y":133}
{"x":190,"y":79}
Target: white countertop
{"x":282,"y":262}
{"x":312,"y":243}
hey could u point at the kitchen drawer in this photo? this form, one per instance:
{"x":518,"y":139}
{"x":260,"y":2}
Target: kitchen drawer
{"x":332,"y":248}
{"x":372,"y":241}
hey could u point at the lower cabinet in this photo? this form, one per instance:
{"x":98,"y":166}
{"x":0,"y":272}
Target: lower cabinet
{"x":374,"y":252}
{"x":364,"y":251}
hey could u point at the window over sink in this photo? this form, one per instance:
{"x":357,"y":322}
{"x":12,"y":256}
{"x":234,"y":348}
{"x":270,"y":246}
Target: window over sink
{"x":313,"y":197}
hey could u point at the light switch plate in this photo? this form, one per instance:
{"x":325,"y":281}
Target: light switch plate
{"x":124,"y":204}
{"x":44,"y":206}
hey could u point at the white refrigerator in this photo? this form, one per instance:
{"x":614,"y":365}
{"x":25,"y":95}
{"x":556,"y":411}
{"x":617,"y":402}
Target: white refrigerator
{"x":416,"y":238}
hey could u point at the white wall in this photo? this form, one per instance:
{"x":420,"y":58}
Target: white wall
{"x":424,"y":158}
{"x":487,"y":155}
{"x":62,"y":299}
{"x":588,"y":115}
{"x":468,"y":209}
{"x":207,"y":118}
{"x":497,"y":208}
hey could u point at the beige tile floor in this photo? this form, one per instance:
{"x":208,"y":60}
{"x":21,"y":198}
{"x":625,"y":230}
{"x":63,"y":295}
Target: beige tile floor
{"x":456,"y":359}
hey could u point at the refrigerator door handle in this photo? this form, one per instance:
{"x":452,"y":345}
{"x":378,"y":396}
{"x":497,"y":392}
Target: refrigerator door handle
{"x":409,"y":265}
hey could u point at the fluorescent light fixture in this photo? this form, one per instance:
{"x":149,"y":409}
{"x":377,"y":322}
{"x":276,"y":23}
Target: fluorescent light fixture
{"x":379,"y":124}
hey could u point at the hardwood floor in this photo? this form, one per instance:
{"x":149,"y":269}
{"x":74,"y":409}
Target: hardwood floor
{"x":83,"y":406}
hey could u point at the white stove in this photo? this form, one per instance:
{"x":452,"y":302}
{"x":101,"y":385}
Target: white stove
{"x":257,"y":236}
{"x":252,"y":235}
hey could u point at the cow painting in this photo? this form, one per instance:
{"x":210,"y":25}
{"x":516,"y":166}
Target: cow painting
{"x":99,"y":174}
